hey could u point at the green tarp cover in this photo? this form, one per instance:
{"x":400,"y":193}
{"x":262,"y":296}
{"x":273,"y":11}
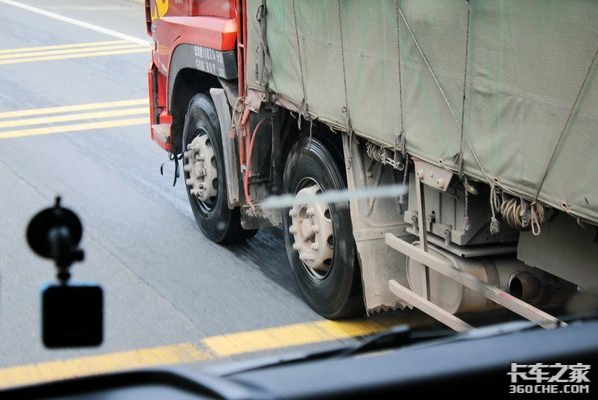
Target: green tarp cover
{"x":527,"y":62}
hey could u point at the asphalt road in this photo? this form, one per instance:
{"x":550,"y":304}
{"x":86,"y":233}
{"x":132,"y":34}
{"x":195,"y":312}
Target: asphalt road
{"x":164,"y":283}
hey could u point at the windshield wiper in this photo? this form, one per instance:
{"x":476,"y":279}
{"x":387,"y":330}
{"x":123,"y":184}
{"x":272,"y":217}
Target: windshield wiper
{"x":396,"y":337}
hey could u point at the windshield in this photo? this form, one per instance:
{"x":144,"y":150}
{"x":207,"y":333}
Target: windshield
{"x":301,"y":192}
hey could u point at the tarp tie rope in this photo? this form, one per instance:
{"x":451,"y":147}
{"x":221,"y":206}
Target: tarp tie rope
{"x":494,"y":206}
{"x":405,"y":172}
{"x":263,"y":70}
{"x":303,"y":109}
{"x":345,"y":109}
{"x":459,"y":156}
{"x":442,"y":93}
{"x":402,"y":136}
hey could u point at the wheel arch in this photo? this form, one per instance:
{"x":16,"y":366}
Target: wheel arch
{"x":194,"y":69}
{"x":187,"y":83}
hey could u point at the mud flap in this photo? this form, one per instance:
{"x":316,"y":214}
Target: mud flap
{"x":372,"y":219}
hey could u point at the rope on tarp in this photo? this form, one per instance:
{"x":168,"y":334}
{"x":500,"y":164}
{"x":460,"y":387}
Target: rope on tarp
{"x":345,"y":109}
{"x":303,"y":109}
{"x":459,"y":156}
{"x":263,"y":70}
{"x":443,"y":94}
{"x":402,"y":138}
{"x":566,"y":126}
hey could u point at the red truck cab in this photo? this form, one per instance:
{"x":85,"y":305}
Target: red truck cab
{"x":191,"y":38}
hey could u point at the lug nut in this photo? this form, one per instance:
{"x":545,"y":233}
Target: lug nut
{"x":296,"y":246}
{"x":315,"y":246}
{"x":293,"y":212}
{"x":292,"y":229}
{"x":315,"y":229}
{"x":310,"y":212}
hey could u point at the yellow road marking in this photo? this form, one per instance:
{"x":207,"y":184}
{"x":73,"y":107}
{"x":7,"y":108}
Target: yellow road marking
{"x":62,"y":46}
{"x":84,"y":366}
{"x":70,"y":56}
{"x":185,"y":353}
{"x":72,"y":128}
{"x":87,"y":49}
{"x":80,"y":107}
{"x":73,"y":117}
{"x":291,"y":335}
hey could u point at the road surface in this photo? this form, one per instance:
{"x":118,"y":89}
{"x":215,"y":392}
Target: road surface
{"x":74,"y":123}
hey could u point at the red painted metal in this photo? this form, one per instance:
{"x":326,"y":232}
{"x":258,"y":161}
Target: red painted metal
{"x":223,"y":9}
{"x":209,"y":23}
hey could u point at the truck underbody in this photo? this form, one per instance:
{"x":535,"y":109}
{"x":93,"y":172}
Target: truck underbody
{"x":453,"y":181}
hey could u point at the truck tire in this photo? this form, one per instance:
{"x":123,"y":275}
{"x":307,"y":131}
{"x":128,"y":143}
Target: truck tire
{"x":205,"y":182}
{"x":319,"y":237}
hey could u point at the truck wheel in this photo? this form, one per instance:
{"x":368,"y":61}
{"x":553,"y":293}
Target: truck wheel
{"x":319,"y":237}
{"x":203,"y":167}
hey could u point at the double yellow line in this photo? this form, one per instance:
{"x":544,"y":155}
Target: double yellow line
{"x":43,"y":121}
{"x":67,"y":51}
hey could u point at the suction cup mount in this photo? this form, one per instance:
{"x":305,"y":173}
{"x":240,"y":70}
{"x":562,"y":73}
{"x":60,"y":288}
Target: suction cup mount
{"x":55,"y":233}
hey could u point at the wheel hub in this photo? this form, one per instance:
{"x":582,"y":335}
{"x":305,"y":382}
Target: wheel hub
{"x":200,"y":162}
{"x":312,"y":231}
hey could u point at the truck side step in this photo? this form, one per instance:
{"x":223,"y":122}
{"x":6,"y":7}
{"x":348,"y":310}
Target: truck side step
{"x":493,"y":293}
{"x":161,"y":133}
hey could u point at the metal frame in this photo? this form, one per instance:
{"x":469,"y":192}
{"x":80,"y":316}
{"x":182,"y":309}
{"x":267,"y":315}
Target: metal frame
{"x":498,"y":296}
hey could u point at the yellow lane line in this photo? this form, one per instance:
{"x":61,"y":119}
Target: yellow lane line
{"x":69,"y":56}
{"x":80,"y":107}
{"x":73,"y":117}
{"x":62,"y":46}
{"x":185,"y":353}
{"x":84,"y":366}
{"x":291,"y":335}
{"x":73,"y":128}
{"x":42,"y":53}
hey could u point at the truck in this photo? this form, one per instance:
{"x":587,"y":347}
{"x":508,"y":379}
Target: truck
{"x":436,"y":154}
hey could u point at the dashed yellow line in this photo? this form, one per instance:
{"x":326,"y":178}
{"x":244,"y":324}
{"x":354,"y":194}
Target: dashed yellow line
{"x":51,"y":120}
{"x":185,"y":353}
{"x":78,"y":107}
{"x":61,"y":46}
{"x":73,"y":128}
{"x":61,"y":52}
{"x":70,"y":56}
{"x":73,"y":117}
{"x":65,"y":52}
